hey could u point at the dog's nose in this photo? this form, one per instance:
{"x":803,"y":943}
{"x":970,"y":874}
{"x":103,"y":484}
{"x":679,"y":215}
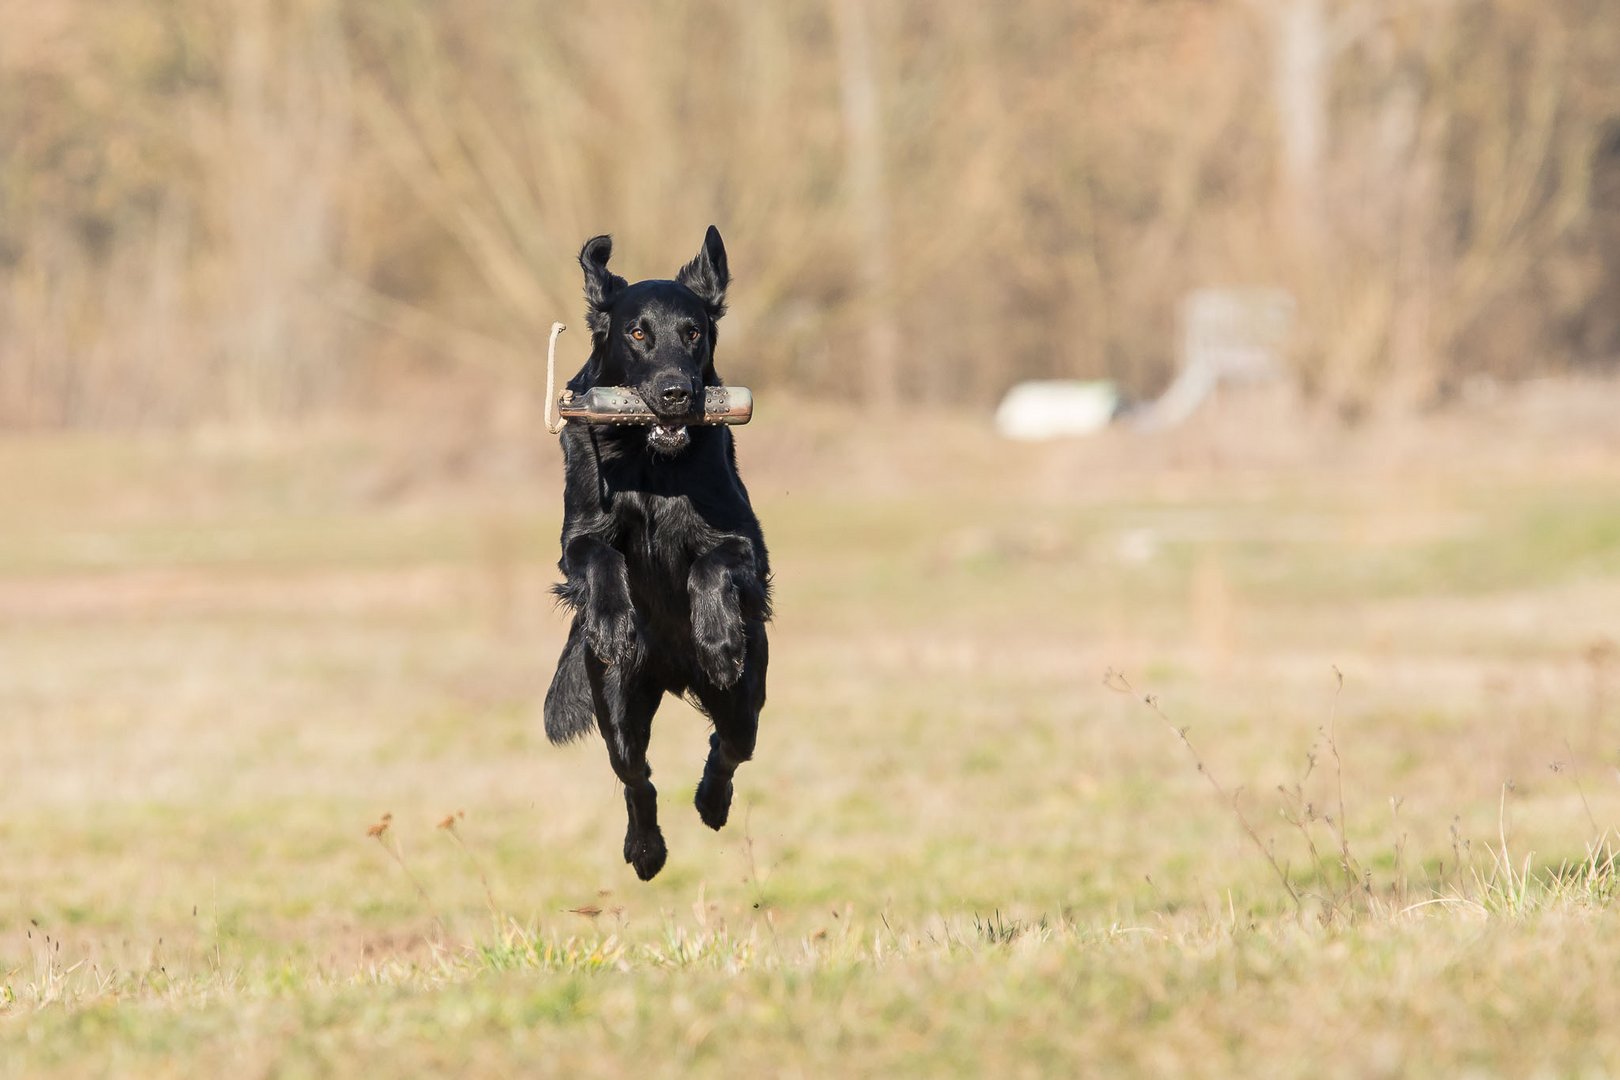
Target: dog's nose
{"x":676,"y":395}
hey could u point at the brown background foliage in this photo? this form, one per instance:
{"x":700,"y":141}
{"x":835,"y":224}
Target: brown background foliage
{"x":262,"y":209}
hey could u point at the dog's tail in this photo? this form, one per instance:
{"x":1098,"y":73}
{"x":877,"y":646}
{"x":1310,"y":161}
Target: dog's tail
{"x":569,"y":714}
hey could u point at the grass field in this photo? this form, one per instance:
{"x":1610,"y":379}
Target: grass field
{"x":1253,"y":749}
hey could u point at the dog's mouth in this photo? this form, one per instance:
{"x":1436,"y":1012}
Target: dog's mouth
{"x":668,"y":438}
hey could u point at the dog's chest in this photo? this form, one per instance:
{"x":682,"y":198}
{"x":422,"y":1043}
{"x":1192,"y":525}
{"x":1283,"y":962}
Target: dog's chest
{"x":663,"y":534}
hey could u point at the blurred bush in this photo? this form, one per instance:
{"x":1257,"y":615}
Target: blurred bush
{"x":260,"y":208}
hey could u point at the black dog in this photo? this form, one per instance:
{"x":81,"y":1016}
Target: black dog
{"x":664,"y":563}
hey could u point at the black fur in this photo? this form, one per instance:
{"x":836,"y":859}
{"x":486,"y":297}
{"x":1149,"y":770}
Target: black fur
{"x":664,"y":564}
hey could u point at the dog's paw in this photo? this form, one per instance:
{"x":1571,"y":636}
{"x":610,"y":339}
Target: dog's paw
{"x":645,"y":852}
{"x":713,"y":802}
{"x":721,"y":655}
{"x":610,"y":631}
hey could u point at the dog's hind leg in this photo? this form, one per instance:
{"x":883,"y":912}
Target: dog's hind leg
{"x":568,"y":702}
{"x":735,"y":712}
{"x":625,"y":702}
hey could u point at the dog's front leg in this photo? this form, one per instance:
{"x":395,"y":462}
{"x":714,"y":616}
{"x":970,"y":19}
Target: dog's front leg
{"x":716,"y":588}
{"x":599,"y":589}
{"x":729,"y":609}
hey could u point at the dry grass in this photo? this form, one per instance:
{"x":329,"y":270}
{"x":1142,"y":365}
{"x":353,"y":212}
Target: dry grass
{"x":960,"y":850}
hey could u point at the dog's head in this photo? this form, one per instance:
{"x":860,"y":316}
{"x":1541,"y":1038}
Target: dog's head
{"x":657,"y":337}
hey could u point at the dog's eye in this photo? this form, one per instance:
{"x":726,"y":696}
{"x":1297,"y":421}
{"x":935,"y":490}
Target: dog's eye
{"x":639,"y":334}
{"x":693,"y":334}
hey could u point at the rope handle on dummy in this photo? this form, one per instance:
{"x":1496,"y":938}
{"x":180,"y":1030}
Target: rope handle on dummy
{"x":621,"y":405}
{"x":553,"y":426}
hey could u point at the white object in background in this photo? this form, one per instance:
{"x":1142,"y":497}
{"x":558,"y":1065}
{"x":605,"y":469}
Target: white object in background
{"x":1054,"y":408}
{"x":1228,"y":337}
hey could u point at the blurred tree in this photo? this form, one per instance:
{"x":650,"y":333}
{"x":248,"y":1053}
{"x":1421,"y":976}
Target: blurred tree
{"x":869,"y":197}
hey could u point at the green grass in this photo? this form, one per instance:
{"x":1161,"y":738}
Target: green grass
{"x":963,"y":848}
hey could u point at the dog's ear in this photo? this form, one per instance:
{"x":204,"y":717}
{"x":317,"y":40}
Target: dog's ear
{"x":707,"y":275}
{"x":600,"y":284}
